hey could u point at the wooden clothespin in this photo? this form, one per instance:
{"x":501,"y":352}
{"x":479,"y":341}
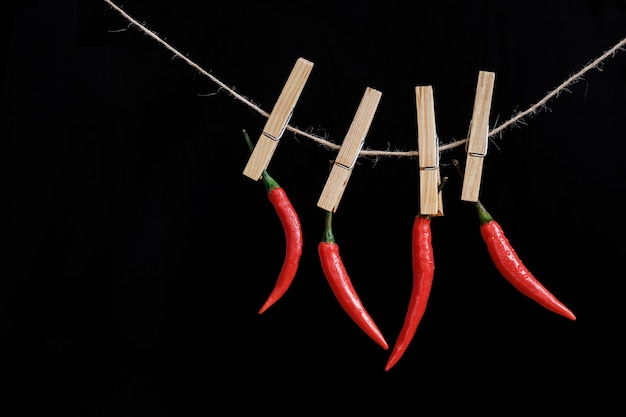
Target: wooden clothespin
{"x":349,"y":151}
{"x":431,"y":202}
{"x":478,"y":137}
{"x":278,"y":119}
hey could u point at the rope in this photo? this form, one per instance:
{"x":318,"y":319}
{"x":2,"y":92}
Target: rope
{"x":517,"y":118}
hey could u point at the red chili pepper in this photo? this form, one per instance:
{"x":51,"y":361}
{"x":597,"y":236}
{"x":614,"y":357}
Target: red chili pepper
{"x":293,"y":235}
{"x":423,"y":272}
{"x":341,"y":285}
{"x":511,"y":267}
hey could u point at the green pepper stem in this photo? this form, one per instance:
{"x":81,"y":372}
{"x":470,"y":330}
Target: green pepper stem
{"x":483,"y":214}
{"x":248,"y":141}
{"x":269,"y":182}
{"x":443,"y":182}
{"x":329,"y":237}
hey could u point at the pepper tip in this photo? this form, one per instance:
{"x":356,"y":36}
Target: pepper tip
{"x":265,"y":307}
{"x":383,"y":343}
{"x":394,"y":357}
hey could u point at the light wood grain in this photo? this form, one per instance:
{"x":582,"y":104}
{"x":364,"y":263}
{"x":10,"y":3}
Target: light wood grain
{"x":428,"y":151}
{"x":278,"y":119}
{"x":349,"y":151}
{"x":478,"y":137}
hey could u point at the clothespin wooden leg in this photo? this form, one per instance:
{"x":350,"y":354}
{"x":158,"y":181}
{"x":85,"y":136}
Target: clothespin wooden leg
{"x":478,"y":137}
{"x":349,"y":151}
{"x":430,"y":195}
{"x":278,"y":119}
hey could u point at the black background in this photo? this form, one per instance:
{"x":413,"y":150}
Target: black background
{"x":139,"y":254}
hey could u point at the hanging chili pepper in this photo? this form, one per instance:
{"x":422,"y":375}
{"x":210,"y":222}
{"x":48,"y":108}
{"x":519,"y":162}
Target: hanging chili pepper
{"x":423,"y":272}
{"x":293,"y":235}
{"x":509,"y":264}
{"x":511,"y":267}
{"x":341,"y":285}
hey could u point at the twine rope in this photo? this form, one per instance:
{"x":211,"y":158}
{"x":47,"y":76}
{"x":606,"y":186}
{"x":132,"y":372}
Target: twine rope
{"x":515,"y":120}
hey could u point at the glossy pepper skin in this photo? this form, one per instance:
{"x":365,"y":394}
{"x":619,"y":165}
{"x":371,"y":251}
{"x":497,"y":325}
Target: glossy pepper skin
{"x":342,"y":287}
{"x":511,"y":267}
{"x":423,"y":272}
{"x":293,"y":235}
{"x":293,"y":239}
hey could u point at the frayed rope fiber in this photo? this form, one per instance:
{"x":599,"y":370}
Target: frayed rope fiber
{"x":516,"y":119}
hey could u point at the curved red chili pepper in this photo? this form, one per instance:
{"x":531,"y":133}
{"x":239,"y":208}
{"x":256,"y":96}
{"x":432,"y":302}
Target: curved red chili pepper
{"x":511,"y":267}
{"x":342,"y":287}
{"x":423,"y":272}
{"x":293,"y":235}
{"x":293,"y":240}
